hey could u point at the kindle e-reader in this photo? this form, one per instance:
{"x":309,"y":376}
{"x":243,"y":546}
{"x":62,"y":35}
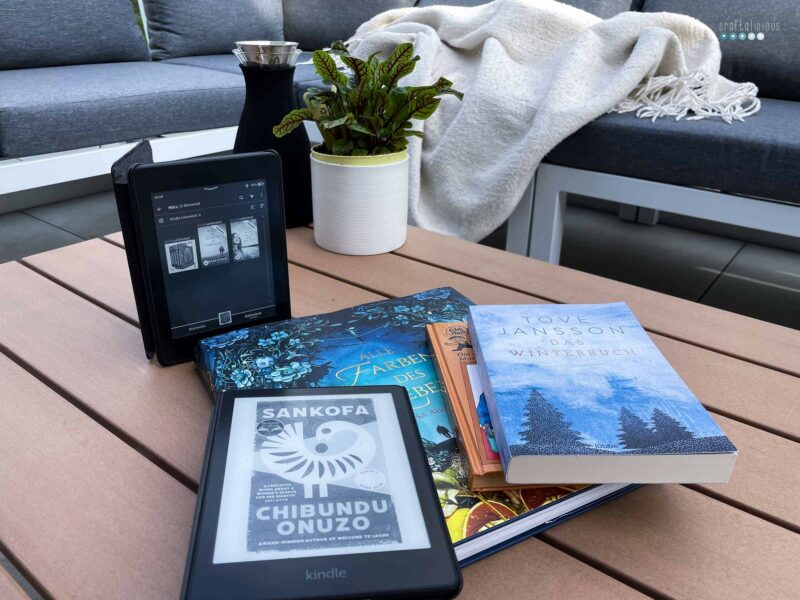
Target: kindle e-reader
{"x":207,"y":241}
{"x":318,"y":493}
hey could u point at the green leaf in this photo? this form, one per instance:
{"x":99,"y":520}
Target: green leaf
{"x":401,"y":54}
{"x":340,"y":48}
{"x":379,"y":101}
{"x":414,"y":132}
{"x":355,"y":126}
{"x":398,"y":73}
{"x":425,"y":106}
{"x":318,"y":105}
{"x":345,"y":120}
{"x":342,"y":147}
{"x":356,"y":97}
{"x":359,"y":67}
{"x":440,"y":87}
{"x":359,"y":152}
{"x":398,"y":145}
{"x":452,"y":92}
{"x":326,"y":68}
{"x":328,"y":138}
{"x":292,"y":121}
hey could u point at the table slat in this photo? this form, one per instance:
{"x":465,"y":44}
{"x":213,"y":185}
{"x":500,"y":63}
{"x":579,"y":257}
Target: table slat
{"x":115,"y":238}
{"x":721,"y":382}
{"x":687,"y":545}
{"x":767,"y":473}
{"x":94,"y":270}
{"x":9,"y":588}
{"x":527,"y":570}
{"x":751,"y":339}
{"x":83,"y":512}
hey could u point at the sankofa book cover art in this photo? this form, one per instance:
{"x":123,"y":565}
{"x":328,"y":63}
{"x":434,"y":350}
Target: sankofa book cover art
{"x":327,"y":476}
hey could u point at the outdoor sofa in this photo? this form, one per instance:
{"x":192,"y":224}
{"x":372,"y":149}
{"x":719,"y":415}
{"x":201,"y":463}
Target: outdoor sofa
{"x":80,"y":83}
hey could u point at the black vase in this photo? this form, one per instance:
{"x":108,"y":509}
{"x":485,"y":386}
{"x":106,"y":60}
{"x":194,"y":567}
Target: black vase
{"x":269,"y":97}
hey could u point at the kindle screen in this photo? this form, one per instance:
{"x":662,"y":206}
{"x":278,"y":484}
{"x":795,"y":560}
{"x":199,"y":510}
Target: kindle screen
{"x":316,"y":475}
{"x":213,"y":243}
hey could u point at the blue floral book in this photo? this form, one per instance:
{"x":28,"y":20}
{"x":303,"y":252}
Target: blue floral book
{"x":581,"y":393}
{"x":385,"y":343}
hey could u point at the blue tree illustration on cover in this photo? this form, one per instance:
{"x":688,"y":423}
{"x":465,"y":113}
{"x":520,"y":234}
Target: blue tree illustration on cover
{"x":546,"y":430}
{"x":663,"y":435}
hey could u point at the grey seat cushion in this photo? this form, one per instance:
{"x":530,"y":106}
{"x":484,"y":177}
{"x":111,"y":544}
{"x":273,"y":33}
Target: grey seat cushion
{"x":192,"y":27}
{"x":229,"y":64}
{"x":772,"y":63}
{"x":305,"y":76}
{"x":758,"y":157}
{"x":601,"y":8}
{"x":61,"y":108}
{"x":315,"y":24}
{"x":42,"y":33}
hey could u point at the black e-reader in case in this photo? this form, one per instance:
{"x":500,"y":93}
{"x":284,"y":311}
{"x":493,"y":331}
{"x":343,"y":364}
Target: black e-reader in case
{"x":318,"y":493}
{"x":206,"y":245}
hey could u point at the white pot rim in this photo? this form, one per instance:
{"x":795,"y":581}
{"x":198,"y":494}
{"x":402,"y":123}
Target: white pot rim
{"x":371,"y":160}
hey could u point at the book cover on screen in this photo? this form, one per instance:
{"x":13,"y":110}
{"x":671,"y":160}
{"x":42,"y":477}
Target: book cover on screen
{"x":586,"y":382}
{"x":381,"y":343}
{"x":350,"y":499}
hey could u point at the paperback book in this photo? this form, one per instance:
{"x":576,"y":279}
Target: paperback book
{"x":384,"y":343}
{"x":580,"y":392}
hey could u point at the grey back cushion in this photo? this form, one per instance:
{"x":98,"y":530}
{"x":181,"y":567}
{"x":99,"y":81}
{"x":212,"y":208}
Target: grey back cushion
{"x":314,"y":24}
{"x":771,"y":60}
{"x":601,"y":8}
{"x":49,"y":33}
{"x":196,"y":27}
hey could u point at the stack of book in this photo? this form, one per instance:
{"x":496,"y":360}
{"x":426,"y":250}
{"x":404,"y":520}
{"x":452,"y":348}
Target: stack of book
{"x":509,"y":406}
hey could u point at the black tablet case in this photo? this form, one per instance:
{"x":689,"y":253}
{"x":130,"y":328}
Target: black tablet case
{"x":139,"y":154}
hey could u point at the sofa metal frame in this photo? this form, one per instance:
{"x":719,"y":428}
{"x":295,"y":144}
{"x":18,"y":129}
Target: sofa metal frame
{"x":535,"y":228}
{"x":30,"y":172}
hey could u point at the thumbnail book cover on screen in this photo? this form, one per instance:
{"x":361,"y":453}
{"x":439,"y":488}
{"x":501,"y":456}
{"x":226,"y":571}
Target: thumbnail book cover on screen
{"x":585,"y":380}
{"x":321,"y":476}
{"x":381,"y":343}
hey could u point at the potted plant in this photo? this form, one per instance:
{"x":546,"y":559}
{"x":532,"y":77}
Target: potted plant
{"x":359,"y":174}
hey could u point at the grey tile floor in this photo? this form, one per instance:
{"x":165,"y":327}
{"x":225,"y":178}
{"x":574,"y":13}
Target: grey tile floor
{"x":42,"y":228}
{"x":743,"y":277}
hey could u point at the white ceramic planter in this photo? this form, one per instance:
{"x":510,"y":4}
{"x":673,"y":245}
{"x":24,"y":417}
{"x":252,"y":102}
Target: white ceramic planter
{"x":360,"y":202}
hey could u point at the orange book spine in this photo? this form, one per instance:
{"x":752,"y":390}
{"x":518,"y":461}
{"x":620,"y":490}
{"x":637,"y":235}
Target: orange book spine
{"x":450,"y":346}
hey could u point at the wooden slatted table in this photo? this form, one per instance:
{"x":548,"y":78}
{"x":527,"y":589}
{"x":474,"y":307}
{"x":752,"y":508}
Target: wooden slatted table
{"x":100,"y":451}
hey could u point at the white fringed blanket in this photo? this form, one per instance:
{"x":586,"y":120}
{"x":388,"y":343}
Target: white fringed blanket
{"x":534,"y":72}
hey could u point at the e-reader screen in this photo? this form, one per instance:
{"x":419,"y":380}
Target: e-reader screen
{"x":312,"y":476}
{"x":214,"y":243}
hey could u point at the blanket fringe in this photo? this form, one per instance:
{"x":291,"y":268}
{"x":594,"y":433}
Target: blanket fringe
{"x":679,"y":95}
